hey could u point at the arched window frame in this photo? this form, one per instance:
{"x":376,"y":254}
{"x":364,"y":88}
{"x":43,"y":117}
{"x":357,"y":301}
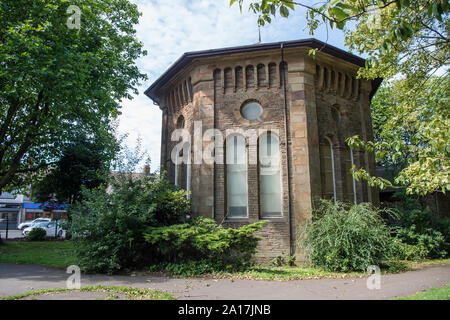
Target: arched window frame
{"x":179,"y":125}
{"x":352,"y":158}
{"x":228,"y":174}
{"x":333,"y":170}
{"x":279,"y":195}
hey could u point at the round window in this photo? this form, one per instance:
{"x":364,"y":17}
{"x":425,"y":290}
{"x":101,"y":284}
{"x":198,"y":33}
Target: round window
{"x":252,"y":111}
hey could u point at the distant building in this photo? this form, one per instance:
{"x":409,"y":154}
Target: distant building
{"x":11,"y":209}
{"x":17,"y":208}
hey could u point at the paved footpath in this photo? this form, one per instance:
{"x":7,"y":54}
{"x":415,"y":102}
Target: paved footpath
{"x":15,"y":279}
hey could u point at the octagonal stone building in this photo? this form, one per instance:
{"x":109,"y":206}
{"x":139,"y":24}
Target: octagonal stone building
{"x":302,"y":110}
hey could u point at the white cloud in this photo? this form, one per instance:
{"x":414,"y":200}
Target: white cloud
{"x":170,"y":28}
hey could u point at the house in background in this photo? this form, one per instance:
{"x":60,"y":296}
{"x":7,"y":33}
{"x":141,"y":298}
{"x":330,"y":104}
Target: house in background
{"x":11,"y":210}
{"x":17,"y":208}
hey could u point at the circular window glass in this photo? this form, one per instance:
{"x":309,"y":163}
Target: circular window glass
{"x":252,"y":111}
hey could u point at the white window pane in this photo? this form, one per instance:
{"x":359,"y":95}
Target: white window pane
{"x":237,"y":183}
{"x":271,"y":184}
{"x":237,"y":193}
{"x":271,"y":204}
{"x":270,"y":179}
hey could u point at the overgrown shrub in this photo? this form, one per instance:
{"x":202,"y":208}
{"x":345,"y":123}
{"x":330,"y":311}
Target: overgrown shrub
{"x":404,"y":251}
{"x":417,"y":227}
{"x":108,"y":227}
{"x":431,"y":243}
{"x":142,"y":222}
{"x":205,"y":242}
{"x":346,"y":238}
{"x":37,"y":234}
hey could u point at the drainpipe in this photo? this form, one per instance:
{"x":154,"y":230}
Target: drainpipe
{"x":287,"y":133}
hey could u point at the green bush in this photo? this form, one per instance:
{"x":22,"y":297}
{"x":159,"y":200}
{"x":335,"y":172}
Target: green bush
{"x":443,"y":226}
{"x":142,"y":222}
{"x":346,"y":238}
{"x":37,"y":234}
{"x":108,"y":227}
{"x":418,"y":228}
{"x":202,"y":241}
{"x":429,"y":242}
{"x":410,"y":212}
{"x":278,"y":261}
{"x":404,"y":251}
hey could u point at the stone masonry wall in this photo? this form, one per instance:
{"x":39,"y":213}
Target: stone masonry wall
{"x":325,"y":102}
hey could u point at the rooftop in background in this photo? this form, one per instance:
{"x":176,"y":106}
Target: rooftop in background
{"x":312,"y":43}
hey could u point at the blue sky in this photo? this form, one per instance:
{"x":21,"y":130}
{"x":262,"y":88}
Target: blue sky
{"x":170,"y":28}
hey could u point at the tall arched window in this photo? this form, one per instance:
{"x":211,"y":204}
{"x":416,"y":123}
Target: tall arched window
{"x":333,"y":170}
{"x":237,"y":193}
{"x":178,"y":165}
{"x":349,"y":179}
{"x":352,"y":160}
{"x":328,"y":170}
{"x":269,"y":175}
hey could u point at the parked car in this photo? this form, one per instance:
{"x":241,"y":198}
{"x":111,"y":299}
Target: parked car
{"x":49,"y":228}
{"x":29,"y":223}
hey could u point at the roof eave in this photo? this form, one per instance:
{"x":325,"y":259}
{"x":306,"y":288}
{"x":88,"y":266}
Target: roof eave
{"x":188,"y":57}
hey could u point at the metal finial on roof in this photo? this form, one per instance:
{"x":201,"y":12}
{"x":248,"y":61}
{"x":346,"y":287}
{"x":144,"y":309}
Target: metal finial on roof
{"x":259,"y":36}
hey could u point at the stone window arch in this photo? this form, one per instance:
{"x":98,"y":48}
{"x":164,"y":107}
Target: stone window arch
{"x":250,"y":76}
{"x":228,"y":75}
{"x":327,"y":166}
{"x":217,"y":78}
{"x":190,"y":89}
{"x":272,"y":74}
{"x":261,"y":70}
{"x":239,"y":77}
{"x":283,"y":73}
{"x":180,"y":172}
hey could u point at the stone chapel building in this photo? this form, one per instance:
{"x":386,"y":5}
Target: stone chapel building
{"x":305,"y":107}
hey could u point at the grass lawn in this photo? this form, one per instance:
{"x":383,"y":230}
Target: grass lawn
{"x":47,"y":253}
{"x":432,"y":294}
{"x":285,"y":273}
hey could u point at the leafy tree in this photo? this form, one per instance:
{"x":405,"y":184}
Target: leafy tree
{"x":412,"y":135}
{"x":403,"y":39}
{"x":55,"y":79}
{"x":85,"y":162}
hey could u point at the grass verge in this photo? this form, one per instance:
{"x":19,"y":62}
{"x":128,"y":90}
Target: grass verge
{"x":432,"y":294}
{"x":47,"y":253}
{"x":300,"y":272}
{"x":61,"y":254}
{"x":130,"y":293}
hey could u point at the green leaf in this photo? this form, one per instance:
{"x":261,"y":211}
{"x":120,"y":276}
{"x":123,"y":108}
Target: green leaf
{"x":289,"y":4}
{"x":339,"y":13}
{"x":284,"y":12}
